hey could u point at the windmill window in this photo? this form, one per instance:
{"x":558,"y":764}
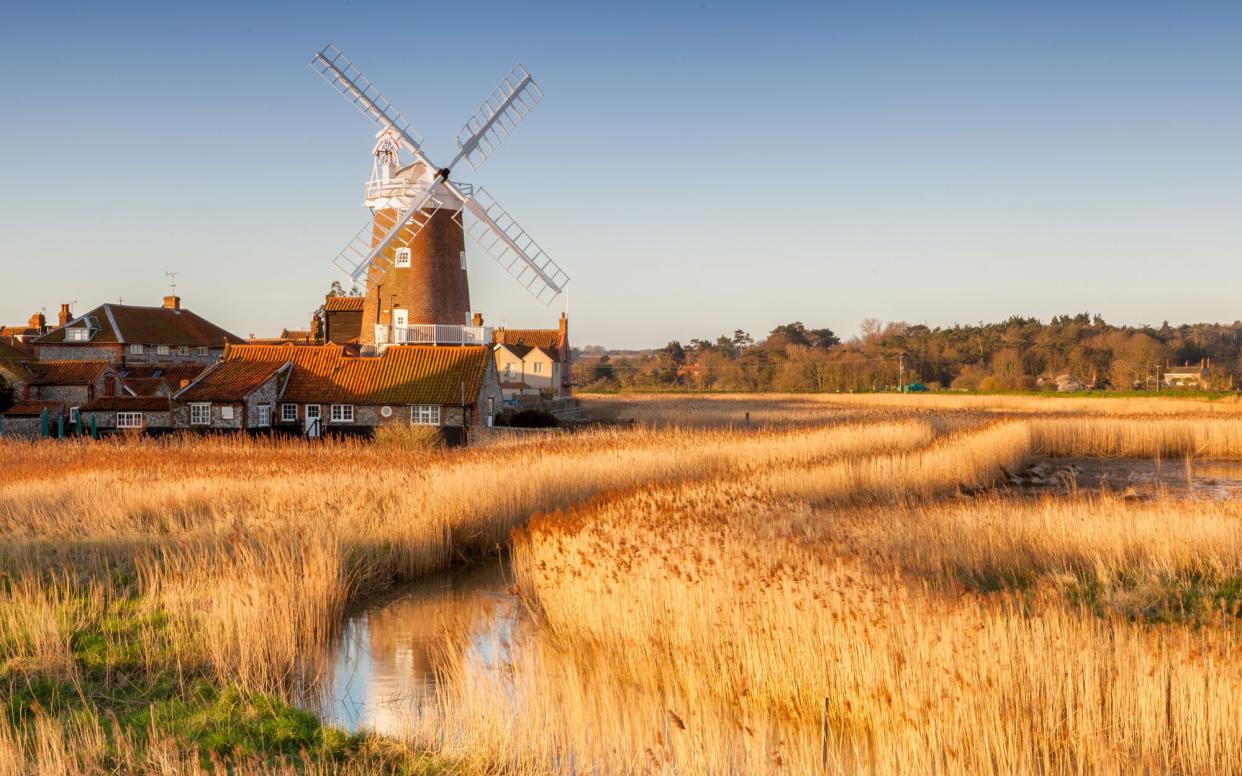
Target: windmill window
{"x":200,"y":414}
{"x":403,"y":257}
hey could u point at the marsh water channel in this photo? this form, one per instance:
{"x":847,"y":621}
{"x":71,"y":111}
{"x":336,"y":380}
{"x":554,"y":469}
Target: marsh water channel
{"x":384,"y":660}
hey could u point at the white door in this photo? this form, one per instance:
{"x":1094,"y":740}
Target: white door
{"x":400,"y":324}
{"x":312,"y":420}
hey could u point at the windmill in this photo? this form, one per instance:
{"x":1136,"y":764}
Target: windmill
{"x":411,"y":254}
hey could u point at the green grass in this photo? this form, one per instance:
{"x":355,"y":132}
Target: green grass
{"x":115,"y":678}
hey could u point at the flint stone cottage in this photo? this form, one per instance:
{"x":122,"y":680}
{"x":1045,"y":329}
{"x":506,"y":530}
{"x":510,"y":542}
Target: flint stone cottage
{"x":129,"y":335}
{"x":315,"y":390}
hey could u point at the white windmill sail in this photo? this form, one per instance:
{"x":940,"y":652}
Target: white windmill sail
{"x":490,"y":225}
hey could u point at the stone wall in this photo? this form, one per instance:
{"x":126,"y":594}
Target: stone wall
{"x":109,"y":353}
{"x":23,"y":428}
{"x":181,"y":416}
{"x":71,"y":395}
{"x":106,"y":421}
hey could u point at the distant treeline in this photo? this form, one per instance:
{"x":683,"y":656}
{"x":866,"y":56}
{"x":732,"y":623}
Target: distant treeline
{"x":1070,"y":351}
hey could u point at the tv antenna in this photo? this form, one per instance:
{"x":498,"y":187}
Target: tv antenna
{"x":172,"y":281}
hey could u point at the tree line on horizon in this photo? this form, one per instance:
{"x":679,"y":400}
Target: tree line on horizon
{"x":1017,"y":354}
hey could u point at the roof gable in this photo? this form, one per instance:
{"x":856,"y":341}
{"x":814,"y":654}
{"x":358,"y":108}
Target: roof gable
{"x":535,"y":338}
{"x":129,"y":324}
{"x":231,"y":381}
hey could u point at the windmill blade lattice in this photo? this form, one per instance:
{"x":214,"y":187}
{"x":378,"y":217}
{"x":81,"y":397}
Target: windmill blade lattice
{"x":515,"y":96}
{"x":347,"y":79}
{"x":497,"y":233}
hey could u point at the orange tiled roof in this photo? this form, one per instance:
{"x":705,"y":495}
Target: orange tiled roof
{"x":338,"y":304}
{"x":407,"y":374}
{"x":35,"y":408}
{"x":232,"y":380}
{"x":535,"y":338}
{"x":127,"y":404}
{"x":145,"y":386}
{"x":67,"y":372}
{"x":121,"y":324}
{"x":174,"y":373}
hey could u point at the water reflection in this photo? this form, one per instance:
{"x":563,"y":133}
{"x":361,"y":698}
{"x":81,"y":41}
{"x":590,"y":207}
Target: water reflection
{"x":1135,"y":477}
{"x":383,"y":675}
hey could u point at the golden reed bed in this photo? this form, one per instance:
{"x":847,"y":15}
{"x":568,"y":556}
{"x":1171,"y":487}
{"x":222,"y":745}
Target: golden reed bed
{"x":720,"y":600}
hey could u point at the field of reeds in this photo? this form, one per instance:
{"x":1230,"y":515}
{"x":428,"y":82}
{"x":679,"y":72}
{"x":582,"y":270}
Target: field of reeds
{"x":838,"y":585}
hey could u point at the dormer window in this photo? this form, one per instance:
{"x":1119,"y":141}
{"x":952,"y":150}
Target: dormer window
{"x":79,"y":334}
{"x":403,"y":257}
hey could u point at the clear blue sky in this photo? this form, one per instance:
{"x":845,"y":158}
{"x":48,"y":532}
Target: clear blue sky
{"x":695,"y":167}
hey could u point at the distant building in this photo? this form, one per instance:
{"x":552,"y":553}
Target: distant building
{"x":130,"y":335}
{"x":533,"y":362}
{"x":342,"y":319}
{"x":1186,"y":376}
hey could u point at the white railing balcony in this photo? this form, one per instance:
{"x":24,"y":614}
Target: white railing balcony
{"x":405,"y":189}
{"x":432,"y":334}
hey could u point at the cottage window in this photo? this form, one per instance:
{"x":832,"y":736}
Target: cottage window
{"x":162,"y":350}
{"x":403,"y":257}
{"x":74,"y":414}
{"x":129,"y":420}
{"x":79,"y":335}
{"x":135,"y":350}
{"x":289,"y":413}
{"x":509,"y":368}
{"x":342,"y":413}
{"x":263,"y":416}
{"x":226,"y":412}
{"x":200,"y":414}
{"x":538,"y":367}
{"x":426,"y":414}
{"x":183,"y":351}
{"x":201,"y":351}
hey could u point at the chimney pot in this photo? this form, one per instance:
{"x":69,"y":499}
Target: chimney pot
{"x":65,"y":315}
{"x":37,"y":321}
{"x":184,"y":383}
{"x":172,"y":303}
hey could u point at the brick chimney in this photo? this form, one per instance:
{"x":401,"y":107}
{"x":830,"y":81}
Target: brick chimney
{"x":37,"y":321}
{"x":65,"y":316}
{"x":476,"y":319}
{"x":564,"y":327}
{"x":172,"y":303}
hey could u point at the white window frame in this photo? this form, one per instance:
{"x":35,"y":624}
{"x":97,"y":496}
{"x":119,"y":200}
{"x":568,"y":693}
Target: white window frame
{"x":341,"y":413}
{"x":200,"y":414}
{"x":286,"y":410}
{"x":202,"y":351}
{"x":79,"y":334}
{"x":263,"y":416}
{"x":135,"y":349}
{"x":183,"y":350}
{"x":74,"y":414}
{"x":425,"y":414}
{"x":401,"y":258}
{"x":537,"y":367}
{"x":129,"y":420}
{"x":226,"y":412}
{"x":163,"y":350}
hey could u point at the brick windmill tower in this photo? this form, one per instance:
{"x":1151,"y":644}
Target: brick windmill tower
{"x":411,"y":254}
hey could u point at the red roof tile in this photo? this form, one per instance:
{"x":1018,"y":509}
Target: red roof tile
{"x":407,"y":374}
{"x":34,"y":408}
{"x":232,"y":380}
{"x":337,"y":304}
{"x":67,"y":372}
{"x":120,"y":324}
{"x":534,"y":338}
